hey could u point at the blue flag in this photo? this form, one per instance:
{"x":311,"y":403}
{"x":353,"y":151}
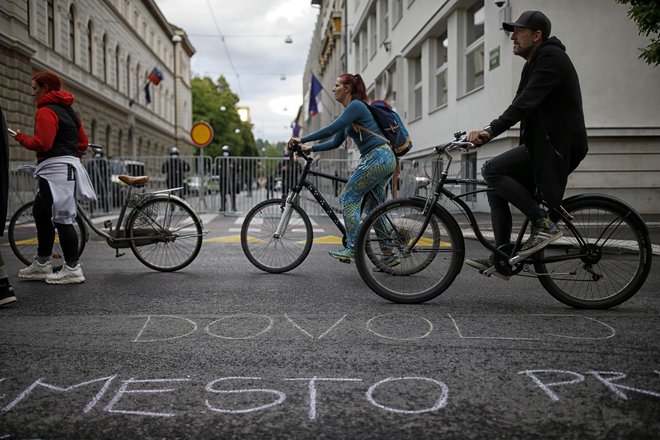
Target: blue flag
{"x":315,"y":106}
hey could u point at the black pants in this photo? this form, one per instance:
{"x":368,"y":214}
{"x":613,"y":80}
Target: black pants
{"x":511,"y":176}
{"x":43,"y":217}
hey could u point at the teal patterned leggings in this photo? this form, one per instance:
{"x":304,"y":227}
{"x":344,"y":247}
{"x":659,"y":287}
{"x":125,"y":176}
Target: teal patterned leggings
{"x":372,"y":173}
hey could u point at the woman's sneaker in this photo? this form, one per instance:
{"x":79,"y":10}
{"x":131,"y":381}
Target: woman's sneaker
{"x":387,"y":262}
{"x":344,"y":255}
{"x":67,"y":275}
{"x":36,"y":271}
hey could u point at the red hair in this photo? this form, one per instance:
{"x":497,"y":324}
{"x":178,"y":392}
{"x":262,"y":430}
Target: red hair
{"x":355,"y":82}
{"x":47,"y":79}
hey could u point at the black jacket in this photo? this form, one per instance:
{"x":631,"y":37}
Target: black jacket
{"x":548,"y":104}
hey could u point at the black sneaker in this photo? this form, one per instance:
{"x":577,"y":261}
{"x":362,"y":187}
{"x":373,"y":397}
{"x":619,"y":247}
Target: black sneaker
{"x":544,"y":232}
{"x":7,"y":295}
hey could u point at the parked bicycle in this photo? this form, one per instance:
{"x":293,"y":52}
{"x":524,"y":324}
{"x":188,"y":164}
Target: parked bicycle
{"x":602,"y":260}
{"x":277,"y":234}
{"x":161,"y":229}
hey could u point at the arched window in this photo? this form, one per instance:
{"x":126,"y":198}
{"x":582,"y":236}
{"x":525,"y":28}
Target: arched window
{"x":120,"y":144}
{"x":128,"y":77}
{"x":51,"y":24}
{"x":108,"y":132}
{"x":93,"y":131}
{"x":105,"y":58}
{"x":90,"y":46}
{"x":138,"y":82}
{"x":117,"y":69}
{"x":72,"y":33}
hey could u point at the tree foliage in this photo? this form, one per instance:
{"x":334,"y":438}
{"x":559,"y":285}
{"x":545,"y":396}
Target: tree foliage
{"x":646,"y":14}
{"x":215,"y":103}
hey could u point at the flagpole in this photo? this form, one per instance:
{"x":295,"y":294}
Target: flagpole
{"x":134,"y":99}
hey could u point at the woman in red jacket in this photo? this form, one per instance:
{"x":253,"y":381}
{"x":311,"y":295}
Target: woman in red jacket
{"x":58,"y":140}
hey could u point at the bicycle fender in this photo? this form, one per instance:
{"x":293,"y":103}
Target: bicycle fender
{"x":608,"y":198}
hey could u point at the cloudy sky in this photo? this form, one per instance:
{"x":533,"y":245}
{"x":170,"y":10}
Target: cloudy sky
{"x":254,"y":56}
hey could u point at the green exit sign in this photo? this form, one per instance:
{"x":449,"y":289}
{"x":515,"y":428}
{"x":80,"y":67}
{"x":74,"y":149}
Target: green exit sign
{"x":494,"y":58}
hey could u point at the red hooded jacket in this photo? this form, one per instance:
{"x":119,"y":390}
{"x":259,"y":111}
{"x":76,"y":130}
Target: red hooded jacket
{"x":47,"y":125}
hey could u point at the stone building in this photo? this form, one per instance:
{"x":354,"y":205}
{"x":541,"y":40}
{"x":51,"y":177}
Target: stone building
{"x":448,"y":66}
{"x":103,"y":50}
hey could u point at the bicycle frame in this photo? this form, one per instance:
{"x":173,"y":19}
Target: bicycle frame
{"x":293,"y":195}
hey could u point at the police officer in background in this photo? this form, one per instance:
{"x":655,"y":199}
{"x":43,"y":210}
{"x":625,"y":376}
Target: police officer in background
{"x":175,"y":169}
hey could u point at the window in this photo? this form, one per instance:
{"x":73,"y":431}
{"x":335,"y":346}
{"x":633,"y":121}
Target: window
{"x":90,"y":52}
{"x":128,"y":76}
{"x":72,"y":34}
{"x":105,"y":58}
{"x":469,"y":167}
{"x":384,"y":18}
{"x":416,"y":87}
{"x":374,"y":34}
{"x":365,"y":49}
{"x":474,"y":47}
{"x":397,"y":11}
{"x":117,"y":69}
{"x":51,"y":24}
{"x":439,"y":97}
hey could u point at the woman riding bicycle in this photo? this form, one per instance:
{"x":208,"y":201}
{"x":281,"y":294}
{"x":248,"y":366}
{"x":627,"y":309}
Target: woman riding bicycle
{"x":58,"y":141}
{"x":377,"y":161}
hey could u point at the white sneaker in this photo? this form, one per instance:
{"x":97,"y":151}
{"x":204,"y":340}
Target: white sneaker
{"x":36,"y":271}
{"x":67,"y":275}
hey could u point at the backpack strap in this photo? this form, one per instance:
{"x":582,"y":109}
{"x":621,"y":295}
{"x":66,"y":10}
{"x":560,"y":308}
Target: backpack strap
{"x":358,"y":128}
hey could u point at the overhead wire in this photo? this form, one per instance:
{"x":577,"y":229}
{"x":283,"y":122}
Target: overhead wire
{"x":224,"y":44}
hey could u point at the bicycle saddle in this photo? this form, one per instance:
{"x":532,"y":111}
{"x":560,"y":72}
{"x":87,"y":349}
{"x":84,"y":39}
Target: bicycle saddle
{"x":134,"y":180}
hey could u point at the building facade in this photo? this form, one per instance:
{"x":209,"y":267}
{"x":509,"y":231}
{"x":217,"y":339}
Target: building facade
{"x":103,"y":50}
{"x":448,"y":66}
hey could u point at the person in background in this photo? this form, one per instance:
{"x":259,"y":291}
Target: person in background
{"x":377,"y":160}
{"x":553,"y":138}
{"x":6,"y":290}
{"x":99,"y":171}
{"x":59,"y":140}
{"x":175,"y":170}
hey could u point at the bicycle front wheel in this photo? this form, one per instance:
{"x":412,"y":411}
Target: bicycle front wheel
{"x":22,"y":235}
{"x":398,"y":272}
{"x":611,"y":251}
{"x":271,"y":252}
{"x":166,"y":234}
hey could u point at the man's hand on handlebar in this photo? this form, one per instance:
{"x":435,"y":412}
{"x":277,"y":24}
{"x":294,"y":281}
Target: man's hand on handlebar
{"x":478,"y":137}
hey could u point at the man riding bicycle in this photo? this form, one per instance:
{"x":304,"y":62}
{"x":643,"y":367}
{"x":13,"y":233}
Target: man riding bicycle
{"x":553,"y":138}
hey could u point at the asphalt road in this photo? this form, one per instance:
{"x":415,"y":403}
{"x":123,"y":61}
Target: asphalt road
{"x":221,"y":350}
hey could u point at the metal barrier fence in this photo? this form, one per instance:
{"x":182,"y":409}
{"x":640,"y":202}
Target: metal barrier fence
{"x":232,"y":185}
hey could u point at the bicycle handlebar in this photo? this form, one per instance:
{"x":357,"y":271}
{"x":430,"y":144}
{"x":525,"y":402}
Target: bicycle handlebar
{"x":296,"y":148}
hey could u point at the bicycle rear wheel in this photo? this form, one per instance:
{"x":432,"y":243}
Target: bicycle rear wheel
{"x":612,"y":263}
{"x":271,"y":253}
{"x":22,"y":235}
{"x":166,"y":233}
{"x":411,"y":275}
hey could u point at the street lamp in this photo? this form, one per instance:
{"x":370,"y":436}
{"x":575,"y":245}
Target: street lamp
{"x":176,"y":39}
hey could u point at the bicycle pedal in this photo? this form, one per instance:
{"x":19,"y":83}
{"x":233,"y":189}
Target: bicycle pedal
{"x":513,"y":261}
{"x":488,"y":272}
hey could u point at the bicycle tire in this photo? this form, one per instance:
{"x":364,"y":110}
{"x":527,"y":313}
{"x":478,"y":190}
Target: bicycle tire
{"x":22,"y":235}
{"x":166,"y":234}
{"x":619,"y":260}
{"x":276,"y":254}
{"x":422,"y":274}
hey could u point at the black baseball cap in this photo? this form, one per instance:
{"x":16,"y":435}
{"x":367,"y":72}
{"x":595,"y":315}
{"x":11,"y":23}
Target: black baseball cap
{"x":531,"y":19}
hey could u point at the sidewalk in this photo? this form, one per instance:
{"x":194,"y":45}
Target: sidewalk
{"x":483,"y":220}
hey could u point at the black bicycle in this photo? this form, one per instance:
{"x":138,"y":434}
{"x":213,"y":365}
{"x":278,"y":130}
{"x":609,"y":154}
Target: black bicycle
{"x":277,"y":234}
{"x":411,"y":250}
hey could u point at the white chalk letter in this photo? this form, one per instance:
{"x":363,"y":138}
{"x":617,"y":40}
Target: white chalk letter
{"x":532,"y":374}
{"x":209,"y":387}
{"x":439,"y":403}
{"x":124,"y":390}
{"x":312,"y":389}
{"x":616,"y":388}
{"x":147,"y":323}
{"x":39,"y":382}
{"x":244,"y":315}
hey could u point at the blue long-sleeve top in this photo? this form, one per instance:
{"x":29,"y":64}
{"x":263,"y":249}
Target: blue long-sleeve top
{"x":355,"y":112}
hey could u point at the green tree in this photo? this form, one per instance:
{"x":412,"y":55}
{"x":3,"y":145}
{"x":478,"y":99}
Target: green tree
{"x":646,"y":14}
{"x":215,"y":103}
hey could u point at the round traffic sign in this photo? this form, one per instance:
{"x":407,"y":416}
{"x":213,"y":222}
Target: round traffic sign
{"x":201,"y":134}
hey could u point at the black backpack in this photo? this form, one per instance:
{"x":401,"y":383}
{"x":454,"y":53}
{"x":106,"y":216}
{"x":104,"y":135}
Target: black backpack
{"x":392,"y":127}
